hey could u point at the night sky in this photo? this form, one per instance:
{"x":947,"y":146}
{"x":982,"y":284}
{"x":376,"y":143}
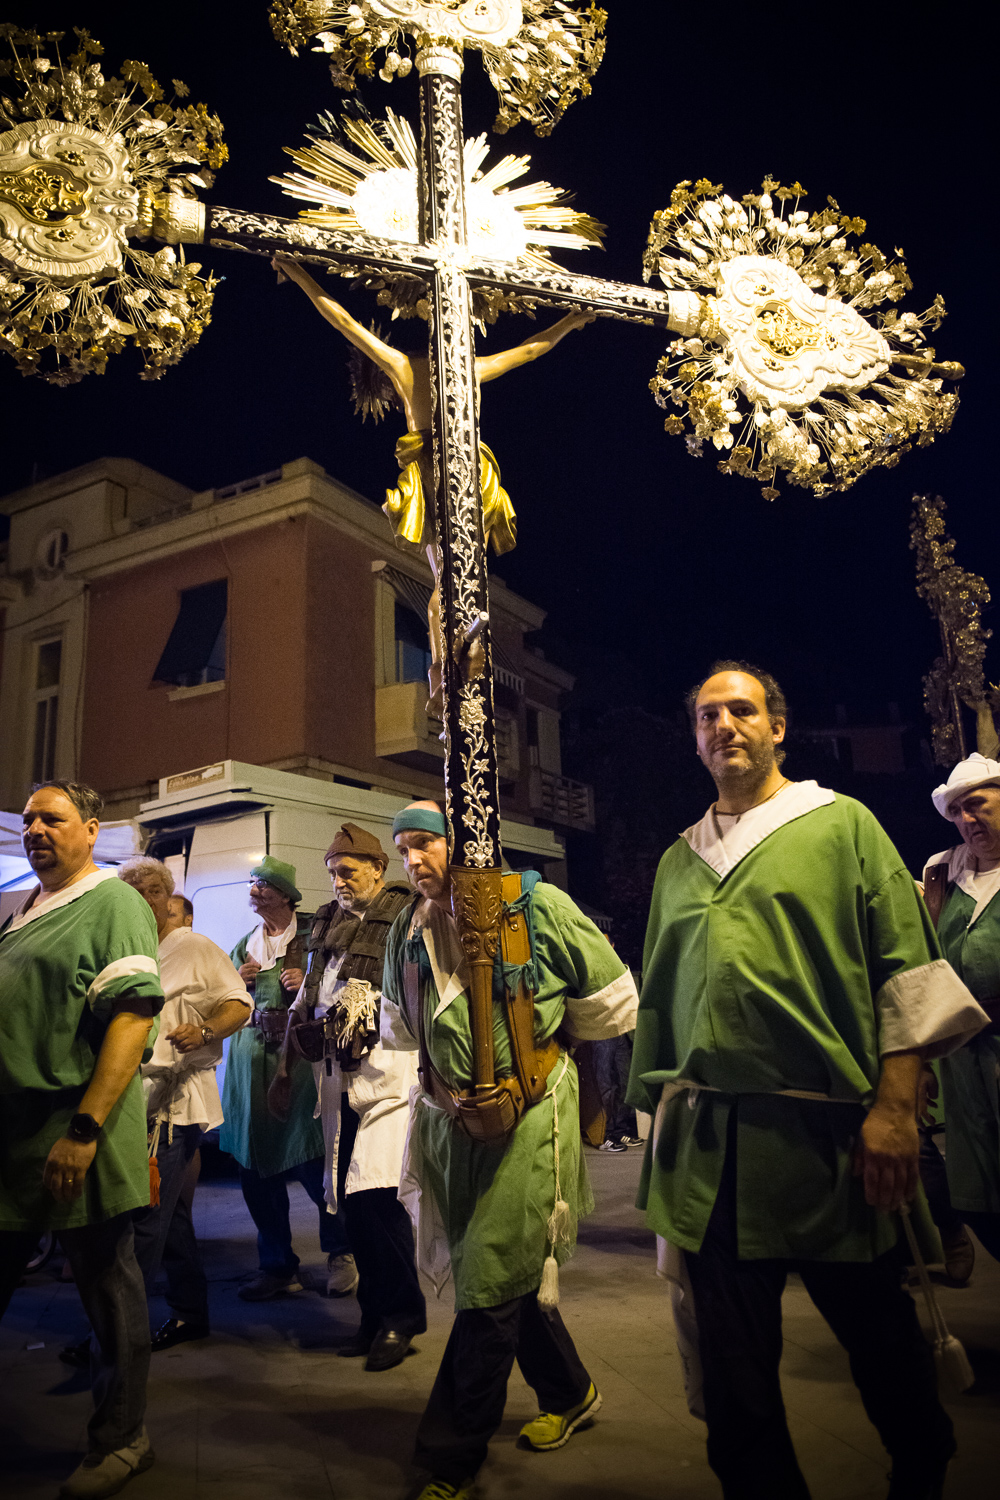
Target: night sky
{"x":633,"y":547}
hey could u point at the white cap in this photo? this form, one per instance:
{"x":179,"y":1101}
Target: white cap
{"x":973,"y":772}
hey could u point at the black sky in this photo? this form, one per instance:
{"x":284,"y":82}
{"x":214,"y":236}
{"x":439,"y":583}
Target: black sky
{"x":631,"y":545}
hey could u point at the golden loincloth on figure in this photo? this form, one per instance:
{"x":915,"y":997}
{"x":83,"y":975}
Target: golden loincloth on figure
{"x":412,"y":517}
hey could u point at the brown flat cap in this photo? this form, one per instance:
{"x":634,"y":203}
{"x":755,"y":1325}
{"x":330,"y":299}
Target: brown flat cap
{"x":357,"y":841}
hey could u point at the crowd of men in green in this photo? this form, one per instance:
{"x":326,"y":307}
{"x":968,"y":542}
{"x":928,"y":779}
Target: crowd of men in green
{"x":798,"y":985}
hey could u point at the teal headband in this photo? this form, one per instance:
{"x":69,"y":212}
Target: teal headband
{"x":420,"y":819}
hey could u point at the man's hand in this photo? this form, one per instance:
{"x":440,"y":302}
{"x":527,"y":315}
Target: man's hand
{"x":248,"y":972}
{"x":291,"y":979}
{"x":886,"y":1155}
{"x":66,"y":1168}
{"x":887,"y":1151}
{"x":186,"y":1038}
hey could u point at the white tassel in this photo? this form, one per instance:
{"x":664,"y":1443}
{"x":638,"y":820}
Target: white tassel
{"x":560,"y":1223}
{"x":548,"y":1292}
{"x":954,"y":1372}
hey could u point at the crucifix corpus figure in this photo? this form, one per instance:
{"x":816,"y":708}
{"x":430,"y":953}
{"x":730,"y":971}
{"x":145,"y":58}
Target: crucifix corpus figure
{"x":410,"y":506}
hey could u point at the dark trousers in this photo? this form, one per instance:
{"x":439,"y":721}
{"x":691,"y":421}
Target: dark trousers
{"x":109,"y":1282}
{"x":935,"y":1183}
{"x":612,"y":1061}
{"x":164,"y":1234}
{"x":467,"y":1402}
{"x":381,"y":1237}
{"x":267,"y":1200}
{"x":738,"y":1307}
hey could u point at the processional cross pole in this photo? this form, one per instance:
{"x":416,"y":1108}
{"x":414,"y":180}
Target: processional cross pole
{"x":443,"y":260}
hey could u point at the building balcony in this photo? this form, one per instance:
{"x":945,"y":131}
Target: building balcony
{"x":561,"y":800}
{"x":403,"y":732}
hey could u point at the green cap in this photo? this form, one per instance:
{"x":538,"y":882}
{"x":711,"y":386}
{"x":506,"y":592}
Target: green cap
{"x":278,"y":874}
{"x":420,"y":819}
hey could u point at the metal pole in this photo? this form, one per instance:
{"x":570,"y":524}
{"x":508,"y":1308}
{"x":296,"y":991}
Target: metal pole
{"x":471,"y":778}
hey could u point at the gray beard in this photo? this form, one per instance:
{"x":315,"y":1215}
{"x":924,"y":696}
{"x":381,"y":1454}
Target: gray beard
{"x":355,"y":904}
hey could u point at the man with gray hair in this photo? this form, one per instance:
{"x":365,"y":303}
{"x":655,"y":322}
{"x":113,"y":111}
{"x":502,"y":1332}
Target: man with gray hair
{"x":960,"y":888}
{"x":206,"y":1001}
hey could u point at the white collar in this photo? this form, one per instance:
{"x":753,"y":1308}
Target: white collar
{"x":265,"y":949}
{"x":793,"y":801}
{"x":962,"y":872}
{"x":444,"y":949}
{"x":168,"y":942}
{"x":45,"y":904}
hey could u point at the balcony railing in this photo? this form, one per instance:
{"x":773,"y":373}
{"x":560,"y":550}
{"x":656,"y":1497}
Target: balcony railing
{"x":558,"y":798}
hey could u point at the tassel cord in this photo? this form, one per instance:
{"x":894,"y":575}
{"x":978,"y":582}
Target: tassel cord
{"x":557,"y":1228}
{"x":937,"y":1320}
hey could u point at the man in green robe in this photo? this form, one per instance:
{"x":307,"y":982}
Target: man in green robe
{"x":792,"y":984}
{"x":968,"y":924}
{"x":487,"y":1213}
{"x":79,"y":988}
{"x":270,"y":1151}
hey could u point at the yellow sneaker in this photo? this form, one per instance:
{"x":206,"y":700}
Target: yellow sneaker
{"x":445,"y":1489}
{"x":553,"y":1429}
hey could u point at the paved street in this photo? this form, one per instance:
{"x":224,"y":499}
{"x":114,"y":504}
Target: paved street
{"x":264,"y":1408}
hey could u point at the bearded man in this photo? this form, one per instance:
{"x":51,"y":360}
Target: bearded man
{"x":494,"y":1214}
{"x":363,"y":1091}
{"x":792,"y":985}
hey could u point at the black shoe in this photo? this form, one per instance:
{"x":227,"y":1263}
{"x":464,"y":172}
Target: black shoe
{"x":355,"y":1348}
{"x":388,"y":1348}
{"x":174,"y":1332}
{"x":77,"y":1355}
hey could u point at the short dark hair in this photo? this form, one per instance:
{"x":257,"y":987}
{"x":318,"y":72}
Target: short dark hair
{"x":88,"y":803}
{"x":774,"y":698}
{"x":186,"y":906}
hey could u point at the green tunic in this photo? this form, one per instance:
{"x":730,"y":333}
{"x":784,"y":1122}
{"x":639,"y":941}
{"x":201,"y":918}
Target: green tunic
{"x":971,"y":1076}
{"x":495,"y":1202}
{"x":793,"y":970}
{"x":250,"y":1132}
{"x":61,"y":976}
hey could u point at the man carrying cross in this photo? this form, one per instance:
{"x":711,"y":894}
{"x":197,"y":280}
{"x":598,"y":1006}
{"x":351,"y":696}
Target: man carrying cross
{"x":493,"y":1213}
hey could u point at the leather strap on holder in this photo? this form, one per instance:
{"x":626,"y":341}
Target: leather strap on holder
{"x":491,"y":1117}
{"x":519,"y":1008}
{"x":935,"y":890}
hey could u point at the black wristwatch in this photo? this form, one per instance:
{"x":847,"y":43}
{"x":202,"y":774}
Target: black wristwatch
{"x":83,"y":1128}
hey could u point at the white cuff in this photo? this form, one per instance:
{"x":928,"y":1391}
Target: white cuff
{"x":122,"y":968}
{"x":927,"y":1008}
{"x":610,"y":1012}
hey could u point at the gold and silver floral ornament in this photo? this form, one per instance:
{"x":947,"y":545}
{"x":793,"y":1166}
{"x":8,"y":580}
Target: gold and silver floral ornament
{"x":374,"y":191}
{"x":88,"y":163}
{"x":538,"y":54}
{"x":776,"y":367}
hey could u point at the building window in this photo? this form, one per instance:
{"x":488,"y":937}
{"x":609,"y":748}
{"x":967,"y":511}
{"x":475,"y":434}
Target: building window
{"x":48,"y":669}
{"x":531,"y":727}
{"x":196,"y":650}
{"x":413,"y":652}
{"x":51,"y":555}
